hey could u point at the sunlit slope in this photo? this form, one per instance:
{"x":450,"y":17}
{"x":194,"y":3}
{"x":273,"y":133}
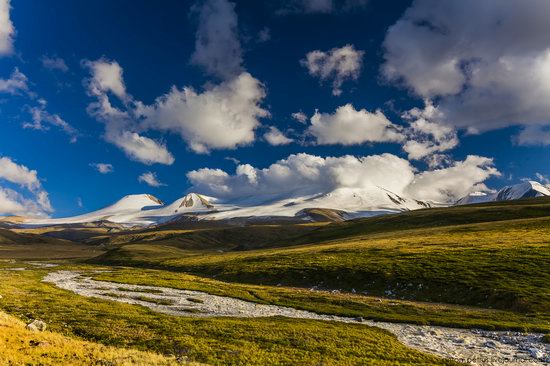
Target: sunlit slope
{"x":20,"y":346}
{"x":487,"y":255}
{"x":32,"y":246}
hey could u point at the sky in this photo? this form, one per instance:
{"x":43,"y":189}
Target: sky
{"x":430,"y":99}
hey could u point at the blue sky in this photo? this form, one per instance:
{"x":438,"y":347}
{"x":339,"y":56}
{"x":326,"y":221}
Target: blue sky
{"x":487,"y":99}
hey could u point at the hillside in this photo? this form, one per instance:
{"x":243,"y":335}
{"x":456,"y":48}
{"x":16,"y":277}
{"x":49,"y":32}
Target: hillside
{"x":20,"y":346}
{"x":15,"y":245}
{"x":494,"y":255}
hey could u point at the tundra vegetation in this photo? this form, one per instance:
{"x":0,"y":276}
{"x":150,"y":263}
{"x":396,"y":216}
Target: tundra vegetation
{"x":480,"y":266}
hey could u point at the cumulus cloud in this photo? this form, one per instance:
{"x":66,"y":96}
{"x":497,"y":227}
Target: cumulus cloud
{"x":222,"y":117}
{"x":304,"y":174}
{"x":42,"y":120}
{"x":7,"y":30}
{"x":103,"y":168}
{"x":454,"y":182}
{"x":106,"y":78}
{"x":348,"y":126}
{"x":14,"y":202}
{"x":121,"y":128}
{"x":487,"y":65}
{"x":54,"y":63}
{"x":299,"y":116}
{"x":336,"y":65}
{"x":217,"y":46}
{"x":427,"y":135}
{"x":16,"y":84}
{"x":151,"y":179}
{"x":275,"y":137}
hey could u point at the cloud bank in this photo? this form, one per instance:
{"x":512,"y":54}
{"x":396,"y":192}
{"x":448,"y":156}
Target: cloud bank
{"x":303,"y":174}
{"x":487,"y":68}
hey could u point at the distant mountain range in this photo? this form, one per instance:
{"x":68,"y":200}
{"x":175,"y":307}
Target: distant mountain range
{"x":341,"y":204}
{"x":529,"y":189}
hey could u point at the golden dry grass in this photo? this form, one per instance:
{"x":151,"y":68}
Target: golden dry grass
{"x":19,"y":346}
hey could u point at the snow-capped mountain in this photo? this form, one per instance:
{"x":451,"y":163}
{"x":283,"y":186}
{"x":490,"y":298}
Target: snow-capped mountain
{"x":529,"y":189}
{"x":145,"y":210}
{"x":342,"y":204}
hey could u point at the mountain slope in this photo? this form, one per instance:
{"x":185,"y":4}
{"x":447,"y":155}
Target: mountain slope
{"x":340,"y":204}
{"x":529,"y":189}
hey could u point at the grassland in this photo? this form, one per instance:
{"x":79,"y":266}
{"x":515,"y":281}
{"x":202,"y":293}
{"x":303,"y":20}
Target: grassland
{"x":482,"y":266}
{"x":14,"y":245}
{"x":482,"y":256}
{"x":19,"y":346}
{"x":215,"y":341}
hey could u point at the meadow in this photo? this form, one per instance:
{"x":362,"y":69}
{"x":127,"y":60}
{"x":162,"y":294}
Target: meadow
{"x":481,"y":266}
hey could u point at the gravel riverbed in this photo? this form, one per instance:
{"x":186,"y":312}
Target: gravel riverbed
{"x":476,"y":347}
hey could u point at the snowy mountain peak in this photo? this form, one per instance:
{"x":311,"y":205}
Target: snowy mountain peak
{"x":196,"y":200}
{"x":136,"y":201}
{"x":528,"y":189}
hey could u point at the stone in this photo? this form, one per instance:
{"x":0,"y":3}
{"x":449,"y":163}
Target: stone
{"x":36,"y":326}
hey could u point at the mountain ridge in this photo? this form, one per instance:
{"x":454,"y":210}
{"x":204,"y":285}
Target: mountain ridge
{"x":143,"y":210}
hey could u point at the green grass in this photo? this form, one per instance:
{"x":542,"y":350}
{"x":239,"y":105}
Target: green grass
{"x":216,"y":341}
{"x":20,"y":346}
{"x":196,"y":301}
{"x":154,"y":300}
{"x":426,"y":255}
{"x":344,"y":304}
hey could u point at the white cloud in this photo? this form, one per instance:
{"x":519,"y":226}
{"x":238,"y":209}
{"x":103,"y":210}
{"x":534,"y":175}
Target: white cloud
{"x":103,"y":168}
{"x":232,"y":159}
{"x":106,"y":77}
{"x":120,"y":125}
{"x":543,"y":179}
{"x":151,"y":179}
{"x":304,"y":174}
{"x":299,"y":116}
{"x":217,"y":46}
{"x":18,"y":174}
{"x":13,"y":202}
{"x":42,"y":120}
{"x":454,"y":182}
{"x":427,"y":135}
{"x":7,"y":30}
{"x":348,"y":126}
{"x":79,"y":202}
{"x":487,"y":65}
{"x":54,"y":63}
{"x":142,"y":149}
{"x":222,"y":117}
{"x":16,"y":84}
{"x":337,"y":64}
{"x":275,"y":137}
{"x":533,"y":136}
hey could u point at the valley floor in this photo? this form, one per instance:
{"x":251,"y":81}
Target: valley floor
{"x":475,"y":346}
{"x":466,"y":285}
